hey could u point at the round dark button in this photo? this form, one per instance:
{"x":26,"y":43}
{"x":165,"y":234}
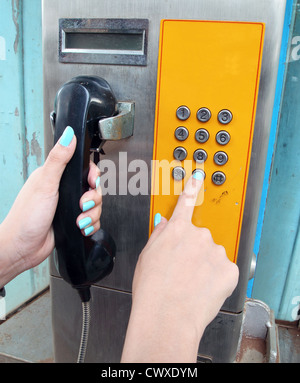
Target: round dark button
{"x":181,"y":133}
{"x":218,"y":178}
{"x":225,"y":116}
{"x":220,"y":158}
{"x":202,"y":135}
{"x":183,"y":113}
{"x":203,"y":114}
{"x":200,"y":156}
{"x":223,"y":137}
{"x":180,"y":153}
{"x":201,"y":171}
{"x":178,"y":173}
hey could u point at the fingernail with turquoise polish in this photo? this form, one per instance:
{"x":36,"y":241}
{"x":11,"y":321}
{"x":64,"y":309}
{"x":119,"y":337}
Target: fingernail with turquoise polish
{"x":84,"y":222}
{"x":157,"y":219}
{"x":88,"y":230}
{"x":67,"y":136}
{"x":198,"y":175}
{"x":88,"y":205}
{"x":97,"y":182}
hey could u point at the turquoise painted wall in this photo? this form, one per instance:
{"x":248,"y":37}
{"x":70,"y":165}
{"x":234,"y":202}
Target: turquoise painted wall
{"x":277,"y":278}
{"x":21,"y":120}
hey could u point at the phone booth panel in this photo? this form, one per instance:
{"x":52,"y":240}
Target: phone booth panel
{"x":193,"y":86}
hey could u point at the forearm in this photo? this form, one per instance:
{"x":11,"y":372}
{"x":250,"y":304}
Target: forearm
{"x":162,"y":337}
{"x":10,"y":264}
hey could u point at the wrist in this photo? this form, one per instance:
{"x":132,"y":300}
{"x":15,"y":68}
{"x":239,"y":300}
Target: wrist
{"x":10,"y":264}
{"x":160,"y":336}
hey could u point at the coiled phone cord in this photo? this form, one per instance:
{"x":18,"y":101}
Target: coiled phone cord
{"x":86,"y":317}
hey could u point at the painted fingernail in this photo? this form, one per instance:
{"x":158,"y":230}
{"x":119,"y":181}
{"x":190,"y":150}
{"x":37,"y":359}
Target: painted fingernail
{"x":97,"y":182}
{"x":67,"y":136}
{"x":157,"y":219}
{"x":88,"y":230}
{"x":88,"y":205}
{"x":198,"y":175}
{"x":84,"y":222}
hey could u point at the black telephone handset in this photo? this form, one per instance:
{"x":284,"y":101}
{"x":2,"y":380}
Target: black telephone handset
{"x":81,"y":261}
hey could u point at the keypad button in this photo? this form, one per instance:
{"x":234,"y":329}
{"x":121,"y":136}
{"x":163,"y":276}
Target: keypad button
{"x":178,"y":173}
{"x":220,"y":158}
{"x":218,"y":178}
{"x":200,"y":170}
{"x":200,"y":156}
{"x":180,"y":153}
{"x":183,"y":113}
{"x":225,"y":116}
{"x":223,"y":137}
{"x":202,"y":135}
{"x":204,"y":114}
{"x":181,"y":133}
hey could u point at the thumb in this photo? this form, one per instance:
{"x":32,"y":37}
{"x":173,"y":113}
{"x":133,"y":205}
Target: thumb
{"x":159,"y":225}
{"x":60,"y":155}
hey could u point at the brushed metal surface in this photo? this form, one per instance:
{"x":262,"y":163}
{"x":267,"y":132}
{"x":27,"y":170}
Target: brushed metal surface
{"x":126,"y":217}
{"x":110,"y":312}
{"x":221,"y":338}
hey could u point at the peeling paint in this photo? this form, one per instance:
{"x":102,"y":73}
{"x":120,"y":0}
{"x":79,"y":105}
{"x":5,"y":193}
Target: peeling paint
{"x":26,"y":148}
{"x":36,"y":149}
{"x":17,"y":114}
{"x":25,"y":154}
{"x":15,"y":14}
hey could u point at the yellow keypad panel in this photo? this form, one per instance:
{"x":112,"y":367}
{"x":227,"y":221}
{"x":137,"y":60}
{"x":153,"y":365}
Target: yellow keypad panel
{"x":207,"y":87}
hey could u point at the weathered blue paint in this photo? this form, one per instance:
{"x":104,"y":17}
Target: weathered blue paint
{"x":277,"y":279}
{"x":21,"y":151}
{"x":33,"y":83}
{"x":274,"y":129}
{"x":12,"y":134}
{"x":21,"y":122}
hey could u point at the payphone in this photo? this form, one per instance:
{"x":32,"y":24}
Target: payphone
{"x":202,"y":79}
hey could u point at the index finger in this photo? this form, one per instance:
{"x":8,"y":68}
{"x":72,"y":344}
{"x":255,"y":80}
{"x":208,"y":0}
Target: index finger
{"x":187,"y":200}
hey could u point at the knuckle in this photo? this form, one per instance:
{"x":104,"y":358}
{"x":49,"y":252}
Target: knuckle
{"x":97,"y":225}
{"x":54,"y":156}
{"x":235,"y":270}
{"x":221,"y":251}
{"x":232,"y":271}
{"x":206,"y":234}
